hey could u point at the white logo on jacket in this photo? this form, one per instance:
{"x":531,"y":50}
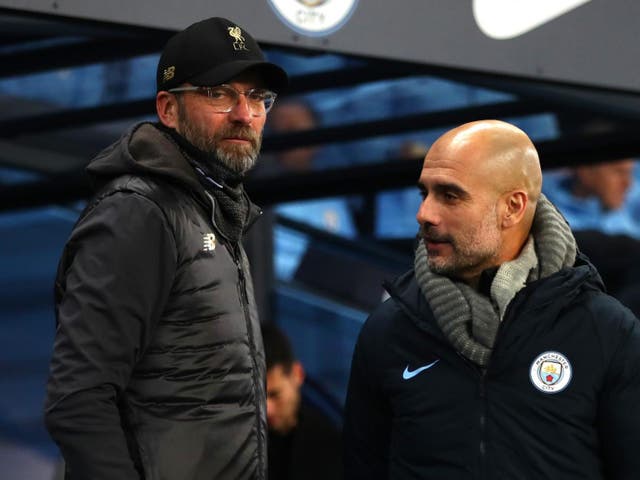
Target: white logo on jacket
{"x":209,"y":242}
{"x":550,"y":372}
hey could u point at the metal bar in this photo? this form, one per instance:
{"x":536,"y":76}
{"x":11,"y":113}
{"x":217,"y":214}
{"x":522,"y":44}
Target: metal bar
{"x":69,"y":118}
{"x":80,"y":53}
{"x":79,"y":117}
{"x":343,"y":133}
{"x":360,"y":179}
{"x":405,"y":123}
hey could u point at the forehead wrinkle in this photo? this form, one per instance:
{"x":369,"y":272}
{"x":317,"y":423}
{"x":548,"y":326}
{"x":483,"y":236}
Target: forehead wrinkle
{"x":455,"y":163}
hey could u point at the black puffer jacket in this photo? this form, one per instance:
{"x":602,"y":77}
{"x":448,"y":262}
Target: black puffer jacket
{"x":416,"y":409}
{"x":158,"y":367}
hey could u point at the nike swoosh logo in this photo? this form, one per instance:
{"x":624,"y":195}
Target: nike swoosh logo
{"x":407,"y":374}
{"x":504,"y":19}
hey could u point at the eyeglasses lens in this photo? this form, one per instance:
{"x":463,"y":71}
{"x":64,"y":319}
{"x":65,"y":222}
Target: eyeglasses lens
{"x":224,"y":98}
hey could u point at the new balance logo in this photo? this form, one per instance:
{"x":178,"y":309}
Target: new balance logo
{"x":168,"y":74}
{"x":209,"y":242}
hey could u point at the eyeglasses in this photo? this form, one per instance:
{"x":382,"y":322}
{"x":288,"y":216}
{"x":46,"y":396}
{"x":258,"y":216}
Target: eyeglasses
{"x":224,"y":97}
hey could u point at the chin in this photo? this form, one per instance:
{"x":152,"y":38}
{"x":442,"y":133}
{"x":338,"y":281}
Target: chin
{"x":439,"y":267}
{"x":238,"y":163}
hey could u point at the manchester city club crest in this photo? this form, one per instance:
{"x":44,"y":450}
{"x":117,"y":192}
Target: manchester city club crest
{"x":550,"y":372}
{"x":314,"y":18}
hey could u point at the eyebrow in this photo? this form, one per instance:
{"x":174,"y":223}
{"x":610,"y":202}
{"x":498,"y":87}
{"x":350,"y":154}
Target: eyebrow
{"x":446,"y":187}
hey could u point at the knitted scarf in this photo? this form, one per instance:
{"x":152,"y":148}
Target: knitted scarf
{"x":469,"y":319}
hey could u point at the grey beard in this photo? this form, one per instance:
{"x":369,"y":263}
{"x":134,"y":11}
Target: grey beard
{"x":237,"y":162}
{"x":237,"y":159}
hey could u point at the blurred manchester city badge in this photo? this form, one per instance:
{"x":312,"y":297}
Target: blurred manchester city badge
{"x":314,"y":18}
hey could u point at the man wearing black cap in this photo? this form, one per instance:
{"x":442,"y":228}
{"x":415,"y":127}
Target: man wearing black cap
{"x":158,"y":368}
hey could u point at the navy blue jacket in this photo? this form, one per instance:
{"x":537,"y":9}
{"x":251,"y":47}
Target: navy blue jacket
{"x":417,"y":409}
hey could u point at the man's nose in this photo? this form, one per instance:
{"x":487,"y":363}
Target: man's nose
{"x":427,"y":212}
{"x":241,"y":112}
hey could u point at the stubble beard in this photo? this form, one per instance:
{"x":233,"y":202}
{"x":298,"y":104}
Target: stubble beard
{"x":475,"y":249}
{"x":239,"y":158}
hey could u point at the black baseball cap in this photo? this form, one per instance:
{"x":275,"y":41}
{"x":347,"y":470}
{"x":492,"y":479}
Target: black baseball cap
{"x":211,"y":52}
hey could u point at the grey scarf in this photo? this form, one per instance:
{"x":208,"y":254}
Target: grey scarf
{"x":469,"y":319}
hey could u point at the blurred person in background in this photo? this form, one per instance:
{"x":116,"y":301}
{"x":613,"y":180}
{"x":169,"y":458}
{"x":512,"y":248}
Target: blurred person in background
{"x":291,"y":115}
{"x":597,"y":201}
{"x":593,"y":196}
{"x":304,"y":444}
{"x":330,"y":214}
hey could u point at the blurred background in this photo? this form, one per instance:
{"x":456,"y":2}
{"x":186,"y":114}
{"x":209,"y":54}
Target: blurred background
{"x":370,"y":90}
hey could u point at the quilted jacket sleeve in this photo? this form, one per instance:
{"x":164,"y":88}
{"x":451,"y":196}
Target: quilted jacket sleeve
{"x":114,"y":279}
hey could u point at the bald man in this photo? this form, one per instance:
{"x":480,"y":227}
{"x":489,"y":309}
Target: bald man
{"x":499,"y":355}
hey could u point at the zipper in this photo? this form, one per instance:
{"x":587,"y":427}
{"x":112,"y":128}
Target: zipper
{"x":244,"y":300}
{"x":479,"y":374}
{"x":482,"y":386}
{"x":482,"y":447}
{"x":236,"y":256}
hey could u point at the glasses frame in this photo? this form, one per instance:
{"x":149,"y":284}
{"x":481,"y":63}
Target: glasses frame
{"x":206,"y":90}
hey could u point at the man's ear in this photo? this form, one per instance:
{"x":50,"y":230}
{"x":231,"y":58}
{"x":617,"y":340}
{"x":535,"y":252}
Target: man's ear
{"x":515,"y":207}
{"x":167,"y":108}
{"x":297,"y":372}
